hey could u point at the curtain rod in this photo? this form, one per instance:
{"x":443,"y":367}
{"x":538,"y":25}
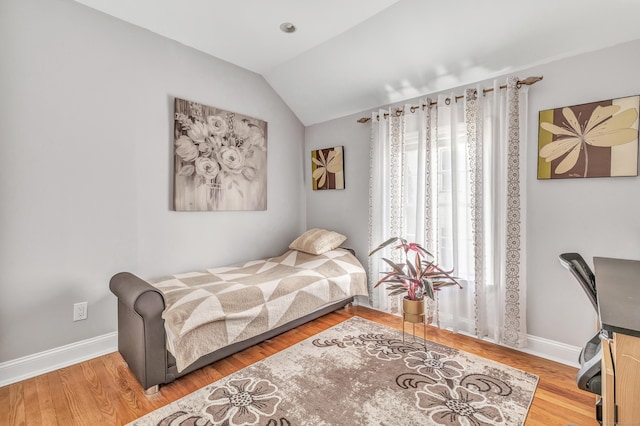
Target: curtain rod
{"x":527,"y":82}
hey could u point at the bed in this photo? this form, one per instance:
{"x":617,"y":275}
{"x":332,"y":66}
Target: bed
{"x":171,"y":326}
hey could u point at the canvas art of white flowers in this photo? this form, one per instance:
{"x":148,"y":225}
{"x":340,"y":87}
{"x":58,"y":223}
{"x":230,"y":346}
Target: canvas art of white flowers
{"x":220,"y":159}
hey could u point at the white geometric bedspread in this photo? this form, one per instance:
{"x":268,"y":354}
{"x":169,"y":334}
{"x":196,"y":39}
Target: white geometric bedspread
{"x":210,"y":309}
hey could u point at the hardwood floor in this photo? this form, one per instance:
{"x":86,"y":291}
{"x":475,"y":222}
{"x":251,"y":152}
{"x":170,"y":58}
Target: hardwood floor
{"x":102,"y":391}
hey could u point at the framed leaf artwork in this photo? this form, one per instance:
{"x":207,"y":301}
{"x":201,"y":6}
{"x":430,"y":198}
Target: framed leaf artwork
{"x":327,"y":168}
{"x":598,"y":139}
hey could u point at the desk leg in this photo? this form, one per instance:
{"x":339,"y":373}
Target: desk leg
{"x":608,"y":384}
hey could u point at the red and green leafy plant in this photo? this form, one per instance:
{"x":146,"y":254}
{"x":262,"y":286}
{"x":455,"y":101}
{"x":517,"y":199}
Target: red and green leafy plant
{"x":417,"y":279}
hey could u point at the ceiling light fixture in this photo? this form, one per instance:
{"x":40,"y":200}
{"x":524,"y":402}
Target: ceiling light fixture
{"x":287,"y":27}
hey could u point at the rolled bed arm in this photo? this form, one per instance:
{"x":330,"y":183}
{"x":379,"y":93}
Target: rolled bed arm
{"x":352,"y":251}
{"x":141,"y":334}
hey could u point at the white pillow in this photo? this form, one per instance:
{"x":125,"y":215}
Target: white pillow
{"x":317,"y":241}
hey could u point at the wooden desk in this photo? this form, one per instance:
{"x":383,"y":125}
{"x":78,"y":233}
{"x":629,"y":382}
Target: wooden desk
{"x":618,"y":287}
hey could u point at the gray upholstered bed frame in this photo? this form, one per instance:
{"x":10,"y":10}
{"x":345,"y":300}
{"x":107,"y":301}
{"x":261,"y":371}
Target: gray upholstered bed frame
{"x":142,"y":339}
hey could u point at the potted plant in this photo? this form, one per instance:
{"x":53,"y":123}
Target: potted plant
{"x":415,"y":279}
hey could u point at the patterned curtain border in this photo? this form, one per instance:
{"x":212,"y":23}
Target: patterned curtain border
{"x":512,"y":320}
{"x":431,"y":307}
{"x":429,"y":240}
{"x":370,"y":281}
{"x":473,"y":119}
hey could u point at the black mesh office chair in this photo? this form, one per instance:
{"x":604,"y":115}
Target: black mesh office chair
{"x":589,"y":376}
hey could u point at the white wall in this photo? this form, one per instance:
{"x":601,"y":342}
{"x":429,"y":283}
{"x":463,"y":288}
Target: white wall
{"x":86,"y":106}
{"x":596,"y":217}
{"x":346,"y":210}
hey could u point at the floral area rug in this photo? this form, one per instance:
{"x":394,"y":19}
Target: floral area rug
{"x":359,"y":373}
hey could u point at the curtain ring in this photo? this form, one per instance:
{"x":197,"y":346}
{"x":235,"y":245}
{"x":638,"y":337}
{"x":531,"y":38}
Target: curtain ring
{"x":518,"y":85}
{"x":414,"y":108}
{"x":447,"y":101}
{"x":398,"y":112}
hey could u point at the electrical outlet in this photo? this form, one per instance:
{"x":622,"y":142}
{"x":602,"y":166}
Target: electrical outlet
{"x":80,"y":311}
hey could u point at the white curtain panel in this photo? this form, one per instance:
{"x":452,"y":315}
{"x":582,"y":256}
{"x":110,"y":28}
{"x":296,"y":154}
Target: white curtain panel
{"x":451,"y":177}
{"x":386,"y":204}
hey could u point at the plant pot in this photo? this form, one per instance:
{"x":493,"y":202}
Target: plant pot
{"x":413,"y":310}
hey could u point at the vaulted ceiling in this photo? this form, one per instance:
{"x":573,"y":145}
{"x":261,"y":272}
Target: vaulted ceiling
{"x":347,"y":56}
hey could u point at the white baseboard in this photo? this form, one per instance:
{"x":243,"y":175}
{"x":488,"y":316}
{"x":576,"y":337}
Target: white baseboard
{"x":545,"y":348}
{"x":555,"y":351}
{"x":43,"y":362}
